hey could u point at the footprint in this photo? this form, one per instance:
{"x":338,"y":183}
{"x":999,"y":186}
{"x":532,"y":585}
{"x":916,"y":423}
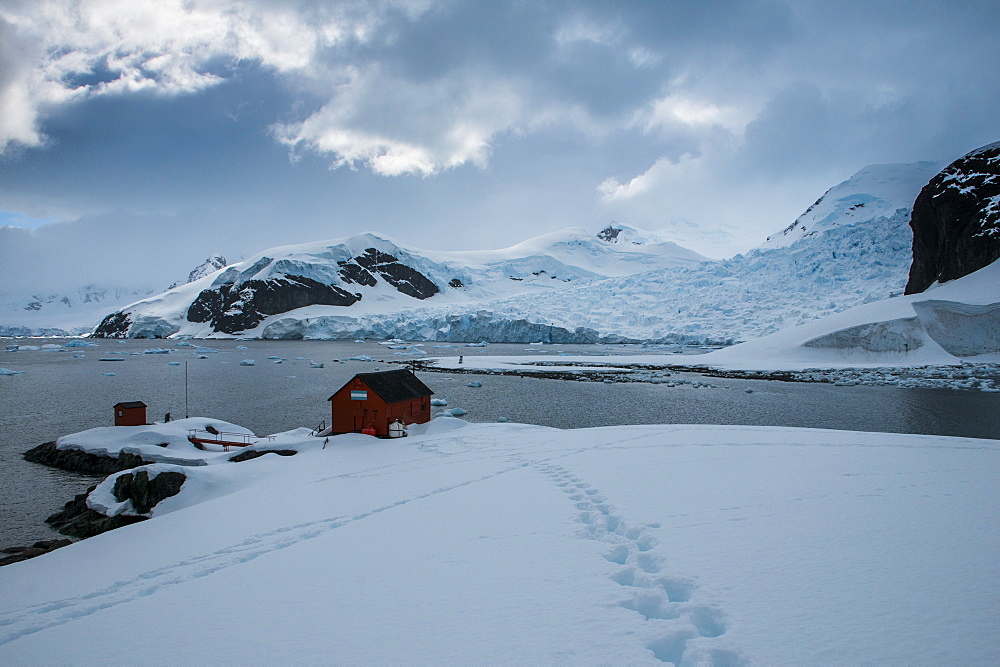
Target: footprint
{"x":709,"y":621}
{"x":652,"y":605}
{"x":678,"y":590}
{"x":618,"y":555}
{"x":671,"y":648}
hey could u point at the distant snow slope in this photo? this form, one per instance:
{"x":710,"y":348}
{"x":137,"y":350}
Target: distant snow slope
{"x":943,"y":325}
{"x":620,"y":285}
{"x":72,"y":311}
{"x":879,"y":190}
{"x":517,"y":544}
{"x":372,"y":276}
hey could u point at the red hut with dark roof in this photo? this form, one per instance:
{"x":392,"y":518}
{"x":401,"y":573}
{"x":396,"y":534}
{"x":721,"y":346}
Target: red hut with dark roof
{"x":130,"y":413}
{"x":370,"y":402}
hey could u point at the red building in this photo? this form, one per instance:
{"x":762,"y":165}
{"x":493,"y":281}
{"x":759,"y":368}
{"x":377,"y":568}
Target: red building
{"x":375,"y":400}
{"x":131,"y":413}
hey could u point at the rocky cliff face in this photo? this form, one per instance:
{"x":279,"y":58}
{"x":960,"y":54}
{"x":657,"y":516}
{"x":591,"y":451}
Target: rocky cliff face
{"x":956,"y":220}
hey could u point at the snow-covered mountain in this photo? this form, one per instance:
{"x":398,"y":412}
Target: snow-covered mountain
{"x":370,"y":276}
{"x":76,"y":310}
{"x":620,"y":285}
{"x":72,"y":311}
{"x":877,"y":191}
{"x":210,"y":265}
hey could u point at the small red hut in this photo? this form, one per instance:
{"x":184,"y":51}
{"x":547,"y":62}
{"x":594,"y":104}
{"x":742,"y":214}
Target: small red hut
{"x":130,"y":413}
{"x":375,"y":400}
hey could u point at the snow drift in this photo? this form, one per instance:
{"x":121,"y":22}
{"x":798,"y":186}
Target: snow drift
{"x":508,"y":543}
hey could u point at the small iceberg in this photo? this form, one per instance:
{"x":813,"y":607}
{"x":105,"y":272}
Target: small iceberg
{"x":173,"y":363}
{"x":479,"y":344}
{"x":248,"y":362}
{"x":242,"y":348}
{"x":79,"y":343}
{"x":361,"y":357}
{"x":474,"y":384}
{"x":109,"y":375}
{"x":7,"y":371}
{"x":438,"y":402}
{"x":157,"y":350}
{"x":315,"y":364}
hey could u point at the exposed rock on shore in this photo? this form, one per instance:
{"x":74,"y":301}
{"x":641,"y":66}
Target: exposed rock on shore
{"x":76,"y":460}
{"x":78,"y":520}
{"x":17,"y":554}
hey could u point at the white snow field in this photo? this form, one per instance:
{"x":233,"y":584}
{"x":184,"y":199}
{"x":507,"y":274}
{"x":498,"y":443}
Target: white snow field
{"x":516,"y":544}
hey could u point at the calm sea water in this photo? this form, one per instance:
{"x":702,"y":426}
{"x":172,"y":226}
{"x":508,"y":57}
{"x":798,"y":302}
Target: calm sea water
{"x":60,"y":394}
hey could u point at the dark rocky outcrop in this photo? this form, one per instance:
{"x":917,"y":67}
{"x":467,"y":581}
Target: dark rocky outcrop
{"x":956,"y":220}
{"x":235,"y":307}
{"x":77,"y":460}
{"x":115,"y":325}
{"x":145,"y":492}
{"x":405,"y":279}
{"x":78,"y":520}
{"x":18,"y":554}
{"x":249,"y":454}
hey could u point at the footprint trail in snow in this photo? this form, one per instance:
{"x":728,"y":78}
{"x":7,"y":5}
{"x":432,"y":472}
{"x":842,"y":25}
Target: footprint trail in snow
{"x":666,"y":603}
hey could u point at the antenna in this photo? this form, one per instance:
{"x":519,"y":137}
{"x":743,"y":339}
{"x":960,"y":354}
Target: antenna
{"x":186,"y":414}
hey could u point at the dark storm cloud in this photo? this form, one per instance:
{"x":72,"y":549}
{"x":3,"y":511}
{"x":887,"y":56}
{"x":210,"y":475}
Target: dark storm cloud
{"x":453,"y":124}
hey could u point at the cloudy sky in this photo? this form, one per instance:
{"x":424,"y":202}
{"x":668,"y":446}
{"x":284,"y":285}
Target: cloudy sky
{"x":195,"y":126}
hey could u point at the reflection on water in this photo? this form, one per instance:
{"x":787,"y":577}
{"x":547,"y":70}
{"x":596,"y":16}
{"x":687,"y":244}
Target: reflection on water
{"x":60,"y":394}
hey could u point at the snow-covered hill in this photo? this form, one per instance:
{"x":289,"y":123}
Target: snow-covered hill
{"x":948,"y":323}
{"x":72,"y":311}
{"x":519,"y":544}
{"x":877,"y":191}
{"x":210,"y":265}
{"x":620,"y":285}
{"x":372,"y":276}
{"x":77,"y":310}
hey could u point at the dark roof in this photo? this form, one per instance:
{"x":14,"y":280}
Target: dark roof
{"x":394,"y":386}
{"x":130,"y":404}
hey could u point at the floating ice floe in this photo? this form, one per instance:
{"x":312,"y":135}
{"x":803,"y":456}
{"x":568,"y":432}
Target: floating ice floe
{"x":479,"y":344}
{"x":438,"y":402}
{"x":109,"y":375}
{"x":475,"y":384}
{"x":315,"y":364}
{"x":157,"y":350}
{"x":248,"y":362}
{"x":173,"y":363}
{"x":80,"y":343}
{"x":7,"y":371}
{"x":242,"y":348}
{"x":361,"y":357}
{"x":453,"y":412}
